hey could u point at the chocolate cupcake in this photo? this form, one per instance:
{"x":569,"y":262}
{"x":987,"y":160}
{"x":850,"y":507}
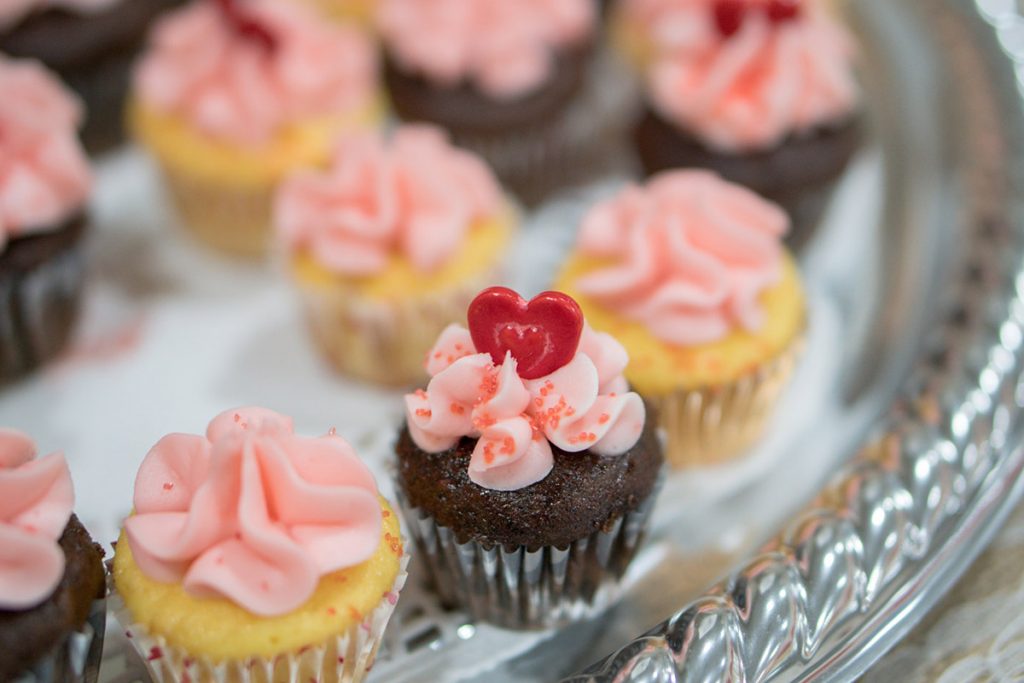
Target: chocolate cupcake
{"x":762,"y":93}
{"x":505,"y":77}
{"x":91,"y":44}
{"x":44,"y":183}
{"x":527,"y":470}
{"x":52,"y":614}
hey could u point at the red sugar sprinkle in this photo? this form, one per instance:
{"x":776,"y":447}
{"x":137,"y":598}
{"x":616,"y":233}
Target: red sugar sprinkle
{"x":386,"y":514}
{"x":458,"y":347}
{"x":331,"y":611}
{"x":457,"y":409}
{"x":128,"y":634}
{"x":168,"y":486}
{"x":341,"y":660}
{"x":421,"y":394}
{"x":354,"y":613}
{"x":423,"y":412}
{"x":508,"y":446}
{"x":238,"y":418}
{"x":603,"y":419}
{"x":438,"y":355}
{"x":154,"y":654}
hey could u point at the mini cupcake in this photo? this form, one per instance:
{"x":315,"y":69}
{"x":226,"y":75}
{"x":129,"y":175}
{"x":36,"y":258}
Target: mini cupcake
{"x":389,"y":245}
{"x":52,"y":612}
{"x":44,"y":183}
{"x":91,"y":44}
{"x":230,"y":98}
{"x":256,"y":554}
{"x":760,"y":91}
{"x":527,"y":470}
{"x":502,"y":76}
{"x":689,"y":274}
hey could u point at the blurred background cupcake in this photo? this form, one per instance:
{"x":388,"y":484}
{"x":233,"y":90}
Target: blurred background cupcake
{"x":91,"y":44}
{"x":52,"y":613}
{"x":44,"y":185}
{"x":760,"y":91}
{"x":526,"y":469}
{"x":359,"y":11}
{"x":689,"y":273}
{"x":389,"y":245}
{"x":504,"y":77}
{"x":231,"y":96}
{"x":255,"y":554}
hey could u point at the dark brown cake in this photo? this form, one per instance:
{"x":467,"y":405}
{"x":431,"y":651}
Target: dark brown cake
{"x":93,"y":53}
{"x":583,"y":493}
{"x":41,"y":278}
{"x":29,"y":636}
{"x":798,"y":174}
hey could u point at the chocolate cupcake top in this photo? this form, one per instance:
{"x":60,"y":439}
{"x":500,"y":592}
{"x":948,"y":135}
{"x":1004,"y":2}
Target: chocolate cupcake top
{"x":252,"y":512}
{"x":36,"y":498}
{"x":13,"y":11}
{"x":44,"y":175}
{"x":505,"y":48}
{"x":525,"y":377}
{"x":746,"y":74}
{"x":243,"y":72}
{"x":414,"y":196}
{"x":688,"y":255}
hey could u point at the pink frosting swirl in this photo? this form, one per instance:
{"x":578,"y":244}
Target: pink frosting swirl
{"x":504,"y":47}
{"x":582,"y":405}
{"x":417,"y":196}
{"x":44,"y":174}
{"x":251,"y":512}
{"x":36,"y":498}
{"x":232,"y":88}
{"x":13,"y":11}
{"x":756,"y":87}
{"x":691,"y":254}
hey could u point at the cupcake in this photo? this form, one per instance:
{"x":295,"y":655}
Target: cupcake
{"x":760,"y":91}
{"x":91,"y":44}
{"x":389,"y":245}
{"x":52,"y":612}
{"x":689,"y":273}
{"x":44,"y":183}
{"x":527,"y":469}
{"x":256,"y":554}
{"x":231,"y":97}
{"x":502,"y":76}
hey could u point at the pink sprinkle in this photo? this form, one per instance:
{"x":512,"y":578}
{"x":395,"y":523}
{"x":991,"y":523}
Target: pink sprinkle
{"x":238,"y":418}
{"x":341,"y":660}
{"x":168,"y":486}
{"x":365,"y":626}
{"x":392,"y":597}
{"x":155,"y":653}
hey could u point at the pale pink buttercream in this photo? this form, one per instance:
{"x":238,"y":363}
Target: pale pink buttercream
{"x":415,"y":196}
{"x":690,"y":255}
{"x":36,"y":498}
{"x":753,"y":89}
{"x":232,"y":88}
{"x":251,"y":512}
{"x":13,"y":11}
{"x":505,"y":48}
{"x":582,"y":405}
{"x":44,"y":174}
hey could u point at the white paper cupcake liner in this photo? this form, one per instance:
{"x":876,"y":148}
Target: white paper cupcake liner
{"x":77,"y":658}
{"x":345,"y":658}
{"x":523,"y":588}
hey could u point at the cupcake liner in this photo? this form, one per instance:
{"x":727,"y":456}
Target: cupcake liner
{"x":345,"y":658}
{"x":38,"y":309}
{"x":384,"y":341}
{"x":710,"y":425}
{"x":529,"y":588}
{"x":569,"y":149}
{"x":77,"y":658}
{"x":232,"y":218}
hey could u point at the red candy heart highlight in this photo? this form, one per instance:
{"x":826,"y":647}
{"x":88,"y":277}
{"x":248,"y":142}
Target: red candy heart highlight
{"x":542,"y":334}
{"x":246,"y":26}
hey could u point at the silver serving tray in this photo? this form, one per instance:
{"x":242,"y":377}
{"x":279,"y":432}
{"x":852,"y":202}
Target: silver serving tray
{"x":914,"y":350}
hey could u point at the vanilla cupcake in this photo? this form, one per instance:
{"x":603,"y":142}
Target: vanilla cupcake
{"x":230,"y":97}
{"x":689,"y":273}
{"x":256,"y":554}
{"x":389,"y":245}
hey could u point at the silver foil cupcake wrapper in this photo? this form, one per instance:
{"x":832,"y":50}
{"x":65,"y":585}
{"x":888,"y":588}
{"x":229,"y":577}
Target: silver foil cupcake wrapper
{"x":77,"y":658}
{"x":345,"y":658}
{"x":523,"y":588}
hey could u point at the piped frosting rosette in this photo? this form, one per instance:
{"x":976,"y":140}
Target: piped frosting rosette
{"x":261,"y":522}
{"x":516,"y":398}
{"x":44,"y":175}
{"x":746,"y":74}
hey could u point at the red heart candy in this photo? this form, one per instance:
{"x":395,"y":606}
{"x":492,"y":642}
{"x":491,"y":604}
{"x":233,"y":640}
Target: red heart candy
{"x":729,"y":15}
{"x":542,"y":334}
{"x":784,"y":10}
{"x":246,"y":26}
